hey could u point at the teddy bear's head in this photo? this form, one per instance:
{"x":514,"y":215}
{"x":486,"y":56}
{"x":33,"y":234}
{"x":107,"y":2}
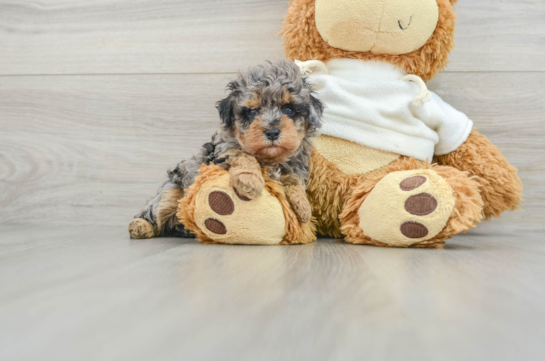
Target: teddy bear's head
{"x":415,"y":35}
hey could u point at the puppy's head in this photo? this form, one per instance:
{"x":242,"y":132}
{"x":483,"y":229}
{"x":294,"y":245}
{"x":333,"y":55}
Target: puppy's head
{"x":271,"y":110}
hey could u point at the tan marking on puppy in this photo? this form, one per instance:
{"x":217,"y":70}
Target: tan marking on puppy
{"x":251,"y":139}
{"x":254,"y":142}
{"x":167,"y":208}
{"x":246,"y":175}
{"x":255,"y":101}
{"x":287,"y":97}
{"x":141,"y":229}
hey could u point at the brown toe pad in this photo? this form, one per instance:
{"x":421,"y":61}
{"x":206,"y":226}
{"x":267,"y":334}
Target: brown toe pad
{"x":221,"y":203}
{"x":412,"y":183}
{"x":215,"y":226}
{"x":414,"y":230}
{"x":421,"y":204}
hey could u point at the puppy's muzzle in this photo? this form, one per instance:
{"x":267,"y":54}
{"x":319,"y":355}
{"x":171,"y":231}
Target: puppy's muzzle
{"x":272,"y":134}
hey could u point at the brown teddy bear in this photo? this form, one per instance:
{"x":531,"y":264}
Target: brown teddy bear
{"x":371,"y":180}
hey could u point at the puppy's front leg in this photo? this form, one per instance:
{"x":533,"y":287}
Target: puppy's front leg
{"x":246,"y":175}
{"x":297,"y":197}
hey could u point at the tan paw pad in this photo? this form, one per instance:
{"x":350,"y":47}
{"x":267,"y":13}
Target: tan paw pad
{"x":407,"y":207}
{"x":227,"y":217}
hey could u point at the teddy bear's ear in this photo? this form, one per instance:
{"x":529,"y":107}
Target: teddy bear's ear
{"x":453,"y":2}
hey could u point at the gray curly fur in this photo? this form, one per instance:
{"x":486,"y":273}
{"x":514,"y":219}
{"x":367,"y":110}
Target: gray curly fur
{"x":272,"y":79}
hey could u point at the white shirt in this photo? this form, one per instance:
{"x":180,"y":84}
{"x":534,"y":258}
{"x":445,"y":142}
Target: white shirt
{"x":367,"y":103}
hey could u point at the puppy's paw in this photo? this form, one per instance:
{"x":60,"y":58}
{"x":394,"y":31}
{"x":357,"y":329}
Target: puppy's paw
{"x":247,"y":185}
{"x":300,"y":204}
{"x":141,"y":229}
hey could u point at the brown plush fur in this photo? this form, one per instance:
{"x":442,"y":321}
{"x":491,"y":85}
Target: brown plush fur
{"x":336,"y":198}
{"x":500,"y":186}
{"x":328,"y":191}
{"x":296,"y":233}
{"x":484,"y":183}
{"x":302,"y":41}
{"x":467,"y":209}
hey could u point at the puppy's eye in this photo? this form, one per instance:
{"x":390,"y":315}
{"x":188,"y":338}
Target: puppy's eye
{"x":253,"y":112}
{"x":288,"y":110}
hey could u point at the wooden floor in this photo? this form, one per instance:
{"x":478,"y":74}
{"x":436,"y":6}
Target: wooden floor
{"x":85,"y":293}
{"x":99,"y":98}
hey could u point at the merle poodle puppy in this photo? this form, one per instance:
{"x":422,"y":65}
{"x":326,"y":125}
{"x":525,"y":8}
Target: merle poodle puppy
{"x":267,"y":121}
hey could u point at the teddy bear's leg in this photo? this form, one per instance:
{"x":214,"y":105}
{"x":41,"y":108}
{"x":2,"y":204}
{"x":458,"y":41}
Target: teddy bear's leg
{"x":500,"y":185}
{"x":412,"y":207}
{"x":217,"y":213}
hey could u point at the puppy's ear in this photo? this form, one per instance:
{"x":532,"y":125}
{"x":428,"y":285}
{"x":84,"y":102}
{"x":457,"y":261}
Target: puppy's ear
{"x":227,"y":114}
{"x":315,"y":114}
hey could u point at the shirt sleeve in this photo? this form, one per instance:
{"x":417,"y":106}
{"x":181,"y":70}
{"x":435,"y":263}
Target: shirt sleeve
{"x":452,"y":126}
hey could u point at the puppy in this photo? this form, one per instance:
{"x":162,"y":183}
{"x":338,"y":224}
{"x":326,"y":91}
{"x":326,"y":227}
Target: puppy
{"x":267,"y":121}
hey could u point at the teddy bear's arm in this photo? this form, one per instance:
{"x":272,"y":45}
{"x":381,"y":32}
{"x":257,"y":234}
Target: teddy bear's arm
{"x":501,"y":187}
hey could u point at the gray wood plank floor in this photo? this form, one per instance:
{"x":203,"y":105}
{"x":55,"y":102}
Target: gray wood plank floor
{"x":87,"y":293}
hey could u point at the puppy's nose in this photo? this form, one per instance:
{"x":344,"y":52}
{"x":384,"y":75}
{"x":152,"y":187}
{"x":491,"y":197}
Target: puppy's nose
{"x":272,"y":134}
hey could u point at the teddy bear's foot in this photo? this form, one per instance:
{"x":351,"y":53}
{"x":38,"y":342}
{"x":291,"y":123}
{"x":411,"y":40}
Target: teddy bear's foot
{"x":217,"y":213}
{"x":406,"y":208}
{"x":141,"y":229}
{"x":420,"y":207}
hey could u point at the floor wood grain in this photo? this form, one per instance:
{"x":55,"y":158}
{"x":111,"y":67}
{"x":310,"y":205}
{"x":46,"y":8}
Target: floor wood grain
{"x":163,"y":36}
{"x":90,"y":293}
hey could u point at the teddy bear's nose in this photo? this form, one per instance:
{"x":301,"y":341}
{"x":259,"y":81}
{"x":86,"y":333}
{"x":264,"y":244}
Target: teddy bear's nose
{"x":272,"y":134}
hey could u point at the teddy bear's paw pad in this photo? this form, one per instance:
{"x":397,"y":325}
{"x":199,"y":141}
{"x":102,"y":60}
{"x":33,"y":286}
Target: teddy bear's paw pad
{"x":215,"y":226}
{"x":414,"y":230}
{"x":141,"y":229}
{"x":221,"y":203}
{"x":228,"y":217}
{"x":407,"y":207}
{"x":412,"y":183}
{"x":421,"y":204}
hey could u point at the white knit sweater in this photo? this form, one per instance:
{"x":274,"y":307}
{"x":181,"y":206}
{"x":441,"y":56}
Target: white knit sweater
{"x":367,"y":103}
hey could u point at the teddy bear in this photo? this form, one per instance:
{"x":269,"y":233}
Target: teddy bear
{"x":395,"y":166}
